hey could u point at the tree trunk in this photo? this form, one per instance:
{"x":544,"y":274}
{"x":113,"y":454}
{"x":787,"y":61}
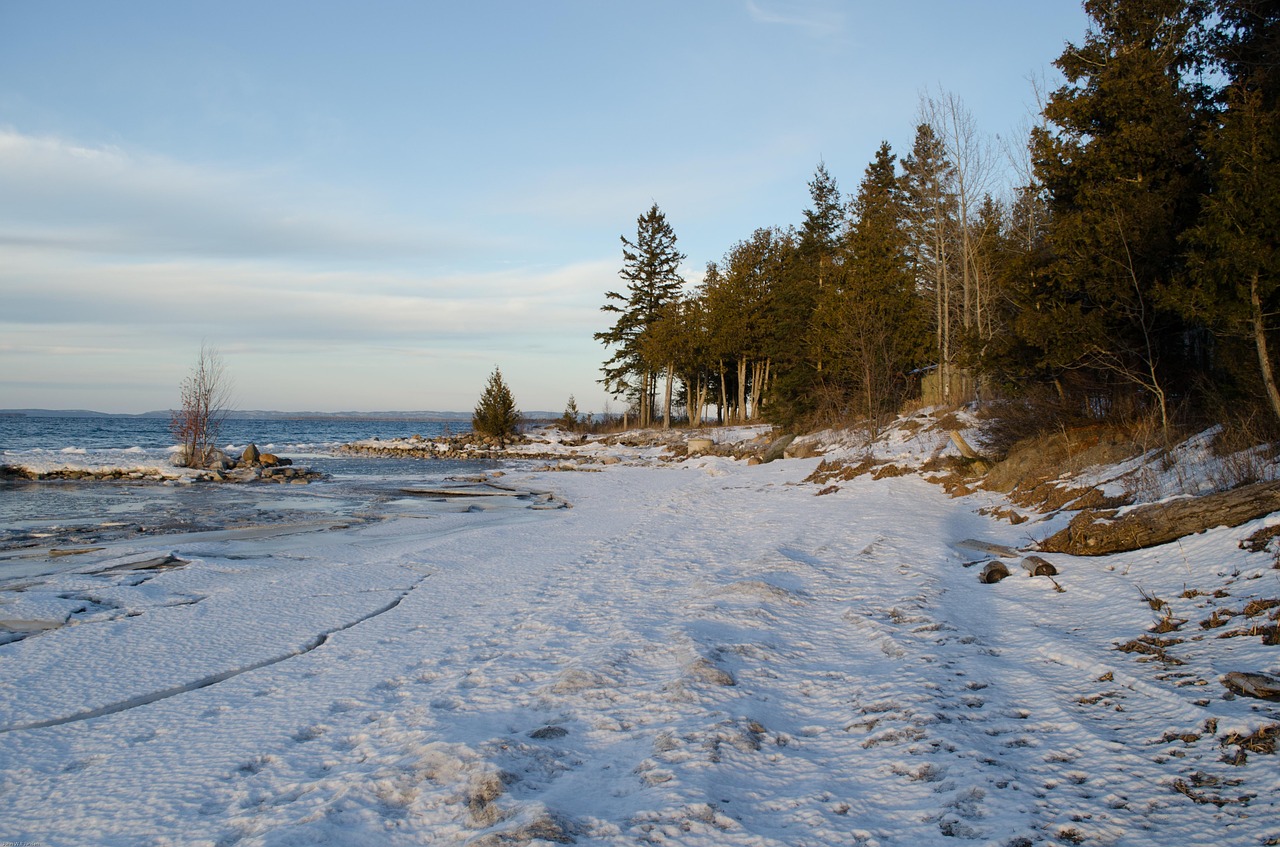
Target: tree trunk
{"x":666,"y":399}
{"x":1093,"y":533}
{"x":742,"y":390}
{"x":1260,"y":342}
{"x":721,"y":417}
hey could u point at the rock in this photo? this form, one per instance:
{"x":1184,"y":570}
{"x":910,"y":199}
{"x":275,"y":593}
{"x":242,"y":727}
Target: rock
{"x":216,"y":460}
{"x":250,"y":455}
{"x":268,"y":460}
{"x":806,"y":449}
{"x":609,"y":460}
{"x":704,"y":671}
{"x":698,"y":446}
{"x":777,"y":449}
{"x":549,"y":732}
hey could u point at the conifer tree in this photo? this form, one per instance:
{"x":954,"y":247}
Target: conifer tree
{"x":929,"y":202}
{"x":650,"y":268}
{"x":813,"y":264}
{"x":1236,"y":246}
{"x":1123,"y":172}
{"x":496,"y":415}
{"x":875,"y":317}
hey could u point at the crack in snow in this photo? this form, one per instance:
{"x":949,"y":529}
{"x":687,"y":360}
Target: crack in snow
{"x":156,"y":696}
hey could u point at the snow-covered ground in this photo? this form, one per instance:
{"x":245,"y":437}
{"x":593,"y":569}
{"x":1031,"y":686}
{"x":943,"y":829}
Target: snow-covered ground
{"x":696,"y":653}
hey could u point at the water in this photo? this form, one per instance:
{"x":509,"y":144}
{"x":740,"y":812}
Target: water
{"x":67,"y":513}
{"x":20,"y":435}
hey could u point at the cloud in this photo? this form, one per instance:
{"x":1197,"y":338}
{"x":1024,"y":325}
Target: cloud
{"x":816,"y":17}
{"x":108,"y":201}
{"x":237,"y":299}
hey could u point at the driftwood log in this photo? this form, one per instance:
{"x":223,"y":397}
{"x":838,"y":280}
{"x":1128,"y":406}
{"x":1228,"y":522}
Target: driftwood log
{"x":992,"y":572}
{"x":1258,"y":685}
{"x":1099,"y":533}
{"x":1036,"y":566}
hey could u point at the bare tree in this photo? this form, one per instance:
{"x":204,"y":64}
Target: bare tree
{"x":204,"y":405}
{"x":969,"y":154}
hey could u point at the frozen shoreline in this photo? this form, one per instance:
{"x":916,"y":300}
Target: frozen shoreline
{"x":699,"y":652}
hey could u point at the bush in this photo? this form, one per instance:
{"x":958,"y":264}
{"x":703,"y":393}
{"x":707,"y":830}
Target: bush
{"x":205,"y":403}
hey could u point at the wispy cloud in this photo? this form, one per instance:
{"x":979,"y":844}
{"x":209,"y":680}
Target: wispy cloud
{"x":816,"y":17}
{"x":109,"y":201}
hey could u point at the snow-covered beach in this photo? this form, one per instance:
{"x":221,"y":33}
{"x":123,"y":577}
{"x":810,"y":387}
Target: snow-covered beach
{"x":698,"y":652}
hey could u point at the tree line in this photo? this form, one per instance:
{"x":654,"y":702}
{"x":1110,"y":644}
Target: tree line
{"x":1131,"y":266}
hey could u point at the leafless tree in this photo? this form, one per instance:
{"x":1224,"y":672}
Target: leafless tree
{"x":203,"y":407}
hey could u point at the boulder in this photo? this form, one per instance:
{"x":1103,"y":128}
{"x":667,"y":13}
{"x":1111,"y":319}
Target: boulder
{"x":216,"y":460}
{"x":268,"y":460}
{"x":778,"y":448}
{"x":250,"y":455}
{"x":698,"y":446}
{"x":806,"y":449}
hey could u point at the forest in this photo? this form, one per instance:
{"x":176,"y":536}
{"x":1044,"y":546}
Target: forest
{"x":1129,"y":270}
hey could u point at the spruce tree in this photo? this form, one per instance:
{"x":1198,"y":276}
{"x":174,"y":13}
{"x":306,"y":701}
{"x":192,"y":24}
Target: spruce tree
{"x":1123,"y":171}
{"x":813,"y":264}
{"x":876,"y":318}
{"x":929,"y":213}
{"x":650,"y":267}
{"x":496,"y":415}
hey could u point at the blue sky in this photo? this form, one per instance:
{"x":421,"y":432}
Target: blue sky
{"x":369,"y":206}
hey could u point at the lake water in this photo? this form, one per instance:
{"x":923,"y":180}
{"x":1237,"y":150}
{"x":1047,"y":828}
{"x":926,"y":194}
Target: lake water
{"x":69,"y":513}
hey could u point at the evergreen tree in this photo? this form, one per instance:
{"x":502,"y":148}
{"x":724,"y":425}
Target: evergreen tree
{"x":1123,"y":172}
{"x":814,"y":263}
{"x":929,"y":201}
{"x":572,"y":418}
{"x":874,"y":318}
{"x":496,"y":415}
{"x":651,"y":270}
{"x":1236,"y":254}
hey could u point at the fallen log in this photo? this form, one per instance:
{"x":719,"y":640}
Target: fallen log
{"x":1258,"y":685}
{"x":1002,"y":550}
{"x":993,"y":572}
{"x":1036,"y":566}
{"x":1101,"y":532}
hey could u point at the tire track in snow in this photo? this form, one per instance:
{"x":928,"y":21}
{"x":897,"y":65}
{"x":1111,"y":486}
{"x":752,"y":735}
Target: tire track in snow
{"x":156,"y":696}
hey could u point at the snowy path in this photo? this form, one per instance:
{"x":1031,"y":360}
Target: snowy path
{"x":696,"y":656}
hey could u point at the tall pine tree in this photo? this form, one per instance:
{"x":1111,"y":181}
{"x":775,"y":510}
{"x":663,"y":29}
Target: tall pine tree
{"x":1122,"y":168}
{"x":874,"y":318}
{"x":1236,"y":249}
{"x":650,"y":267}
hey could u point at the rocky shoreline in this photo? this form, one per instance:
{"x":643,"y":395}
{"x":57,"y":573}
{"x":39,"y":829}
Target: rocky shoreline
{"x":250,"y":466}
{"x":553,"y":445}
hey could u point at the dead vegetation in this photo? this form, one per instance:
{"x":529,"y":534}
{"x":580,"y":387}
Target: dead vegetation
{"x":1151,"y":648}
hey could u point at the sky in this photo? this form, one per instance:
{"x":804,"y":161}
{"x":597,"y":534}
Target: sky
{"x":370,"y":206}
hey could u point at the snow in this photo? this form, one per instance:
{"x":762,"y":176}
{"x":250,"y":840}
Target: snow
{"x":699,"y":652}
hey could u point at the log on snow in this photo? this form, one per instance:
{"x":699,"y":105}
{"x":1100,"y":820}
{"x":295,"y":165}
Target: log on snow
{"x":1258,"y":685}
{"x":1099,"y":533}
{"x":992,"y":572}
{"x":1036,"y":566}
